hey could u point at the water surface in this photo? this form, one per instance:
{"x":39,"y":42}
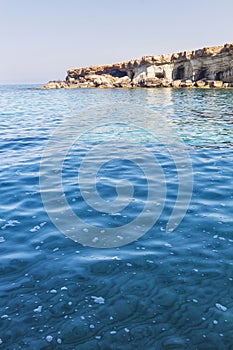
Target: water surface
{"x":163,"y":291}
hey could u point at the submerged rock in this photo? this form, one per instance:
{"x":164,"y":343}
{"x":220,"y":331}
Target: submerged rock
{"x":207,"y":67}
{"x":56,"y":85}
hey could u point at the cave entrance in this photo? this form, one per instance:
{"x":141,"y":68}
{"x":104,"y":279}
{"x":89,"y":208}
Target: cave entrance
{"x":219,"y":76}
{"x":201,"y":74}
{"x":179,"y":74}
{"x":132,"y":75}
{"x":159,"y":75}
{"x":117,"y":73}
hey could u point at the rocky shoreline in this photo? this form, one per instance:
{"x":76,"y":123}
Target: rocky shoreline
{"x":210,"y":67}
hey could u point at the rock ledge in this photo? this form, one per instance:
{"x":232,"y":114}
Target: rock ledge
{"x":208,"y":67}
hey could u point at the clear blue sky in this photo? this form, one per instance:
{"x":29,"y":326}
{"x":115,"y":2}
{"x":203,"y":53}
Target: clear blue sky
{"x":41,"y":39}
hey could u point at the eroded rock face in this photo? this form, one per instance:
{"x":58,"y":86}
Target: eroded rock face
{"x":207,"y":67}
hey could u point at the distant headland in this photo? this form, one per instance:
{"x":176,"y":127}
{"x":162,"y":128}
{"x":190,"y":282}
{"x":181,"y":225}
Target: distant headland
{"x":203,"y":68}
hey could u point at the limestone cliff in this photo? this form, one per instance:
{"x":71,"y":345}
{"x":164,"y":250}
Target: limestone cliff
{"x":207,"y":67}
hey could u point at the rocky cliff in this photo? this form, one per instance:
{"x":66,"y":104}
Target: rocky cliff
{"x":207,"y":67}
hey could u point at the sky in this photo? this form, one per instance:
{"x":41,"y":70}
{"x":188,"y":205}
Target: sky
{"x":41,"y":39}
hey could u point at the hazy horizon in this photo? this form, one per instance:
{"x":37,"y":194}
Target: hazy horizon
{"x":41,"y":41}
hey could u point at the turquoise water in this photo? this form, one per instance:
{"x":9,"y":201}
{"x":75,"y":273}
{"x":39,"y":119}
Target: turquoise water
{"x":168,"y":291}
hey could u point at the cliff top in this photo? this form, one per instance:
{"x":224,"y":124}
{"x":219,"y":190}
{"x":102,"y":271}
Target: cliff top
{"x":158,"y":59}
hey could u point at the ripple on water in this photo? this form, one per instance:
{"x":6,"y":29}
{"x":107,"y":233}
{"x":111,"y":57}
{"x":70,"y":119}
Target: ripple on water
{"x":164,"y":291}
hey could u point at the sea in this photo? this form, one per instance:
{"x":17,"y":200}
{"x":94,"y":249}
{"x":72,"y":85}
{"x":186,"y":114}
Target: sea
{"x":116,"y":219}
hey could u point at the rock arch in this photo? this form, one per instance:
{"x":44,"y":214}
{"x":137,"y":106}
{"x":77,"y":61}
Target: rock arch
{"x":117,"y":73}
{"x":201,"y":74}
{"x":219,"y":76}
{"x":179,"y":73}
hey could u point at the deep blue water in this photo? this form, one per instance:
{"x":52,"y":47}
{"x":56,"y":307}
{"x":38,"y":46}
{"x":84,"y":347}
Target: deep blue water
{"x":165,"y":290}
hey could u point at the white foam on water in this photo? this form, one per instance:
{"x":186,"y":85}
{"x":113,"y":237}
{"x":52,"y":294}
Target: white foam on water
{"x":64,"y":288}
{"x":49,"y":338}
{"x":98,"y":300}
{"x":53,"y":291}
{"x":10,"y":223}
{"x":38,"y":309}
{"x":221,"y":307}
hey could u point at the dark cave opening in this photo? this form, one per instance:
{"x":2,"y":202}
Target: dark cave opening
{"x":179,"y":73}
{"x":160,"y":75}
{"x":202,"y":74}
{"x":219,"y":76}
{"x":118,"y":73}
